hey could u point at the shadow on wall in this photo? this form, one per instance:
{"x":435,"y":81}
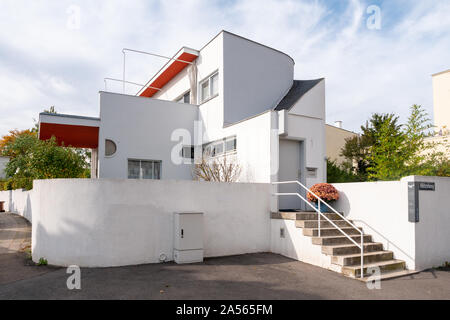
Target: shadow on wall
{"x":344,"y":205}
{"x":28,"y":210}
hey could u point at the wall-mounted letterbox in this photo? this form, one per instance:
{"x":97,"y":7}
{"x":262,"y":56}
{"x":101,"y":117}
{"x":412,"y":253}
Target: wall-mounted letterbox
{"x":188,"y":237}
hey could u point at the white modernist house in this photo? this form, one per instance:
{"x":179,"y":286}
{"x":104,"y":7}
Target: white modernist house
{"x":232,"y":98}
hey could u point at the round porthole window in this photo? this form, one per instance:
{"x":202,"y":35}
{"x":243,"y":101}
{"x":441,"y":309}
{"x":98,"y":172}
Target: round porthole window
{"x":110,"y":147}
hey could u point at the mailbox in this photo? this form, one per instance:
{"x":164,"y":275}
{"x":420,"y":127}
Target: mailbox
{"x":188,"y":237}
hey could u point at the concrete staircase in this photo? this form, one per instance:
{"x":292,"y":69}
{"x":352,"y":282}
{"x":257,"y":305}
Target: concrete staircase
{"x":345,"y":255}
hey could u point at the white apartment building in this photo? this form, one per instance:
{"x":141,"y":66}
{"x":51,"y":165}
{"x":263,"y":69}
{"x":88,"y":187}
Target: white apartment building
{"x":234,"y":97}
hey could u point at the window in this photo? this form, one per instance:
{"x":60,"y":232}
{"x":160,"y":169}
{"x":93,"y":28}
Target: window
{"x":219,"y":147}
{"x":230,"y":144}
{"x":209,"y":88}
{"x":187,"y":152}
{"x":110,"y":147}
{"x":185,"y":98}
{"x":144,"y":169}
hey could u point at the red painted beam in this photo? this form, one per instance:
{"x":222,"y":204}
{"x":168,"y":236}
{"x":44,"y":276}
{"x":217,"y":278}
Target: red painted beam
{"x":71,"y":135}
{"x":172,"y":70}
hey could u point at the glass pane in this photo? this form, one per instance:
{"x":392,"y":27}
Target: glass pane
{"x":187,"y":97}
{"x":133,"y":169}
{"x":147,"y":169}
{"x":205,"y":90}
{"x":110,"y":147}
{"x":215,"y":84}
{"x":230,"y":145}
{"x":157,"y":170}
{"x":218,"y":148}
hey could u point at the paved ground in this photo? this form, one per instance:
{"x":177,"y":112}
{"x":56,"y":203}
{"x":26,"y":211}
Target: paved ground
{"x":252,"y":276}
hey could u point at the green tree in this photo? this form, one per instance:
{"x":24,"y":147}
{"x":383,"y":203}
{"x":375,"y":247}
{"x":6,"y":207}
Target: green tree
{"x":36,"y":159}
{"x":357,"y":150}
{"x":339,"y":174}
{"x":387,"y":155}
{"x":403,"y":151}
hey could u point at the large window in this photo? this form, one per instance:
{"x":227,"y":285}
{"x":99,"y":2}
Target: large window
{"x":209,"y":87}
{"x":185,"y":98}
{"x":144,"y":169}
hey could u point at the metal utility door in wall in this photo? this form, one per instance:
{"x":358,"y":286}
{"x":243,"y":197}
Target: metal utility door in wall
{"x":291,"y":168}
{"x":188,"y":237}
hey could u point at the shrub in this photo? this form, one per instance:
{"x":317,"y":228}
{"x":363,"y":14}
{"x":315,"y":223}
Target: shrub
{"x":325,"y":191}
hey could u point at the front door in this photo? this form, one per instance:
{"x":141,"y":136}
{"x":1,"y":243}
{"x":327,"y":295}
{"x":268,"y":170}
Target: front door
{"x":291,"y":168}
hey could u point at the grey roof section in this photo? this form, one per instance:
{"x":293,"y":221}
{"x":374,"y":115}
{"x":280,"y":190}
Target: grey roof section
{"x":299,"y":89}
{"x":68,"y":116}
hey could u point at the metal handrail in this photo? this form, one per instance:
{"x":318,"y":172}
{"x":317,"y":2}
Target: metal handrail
{"x":361,"y":246}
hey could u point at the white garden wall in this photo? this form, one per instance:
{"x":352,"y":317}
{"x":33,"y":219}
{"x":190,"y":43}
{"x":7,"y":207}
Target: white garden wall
{"x":381,"y":208}
{"x":19,"y":202}
{"x":124,"y":222}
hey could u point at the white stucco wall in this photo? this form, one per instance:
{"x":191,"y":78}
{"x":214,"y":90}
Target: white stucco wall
{"x":295,"y":245}
{"x":256,"y":77}
{"x":124,"y":222}
{"x":18,"y":201}
{"x":142,"y":129}
{"x":381,"y":208}
{"x":432,"y":232}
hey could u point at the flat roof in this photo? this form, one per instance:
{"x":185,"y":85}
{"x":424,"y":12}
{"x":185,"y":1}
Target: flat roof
{"x":439,"y":73}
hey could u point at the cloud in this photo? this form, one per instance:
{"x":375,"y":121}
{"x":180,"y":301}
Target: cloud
{"x":47,"y":61}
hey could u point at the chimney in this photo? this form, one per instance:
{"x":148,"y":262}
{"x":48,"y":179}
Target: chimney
{"x":338,"y":124}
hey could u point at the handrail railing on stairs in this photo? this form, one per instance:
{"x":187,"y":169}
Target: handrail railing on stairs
{"x":361,"y":245}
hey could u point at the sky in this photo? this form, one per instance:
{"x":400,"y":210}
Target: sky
{"x":376,"y":56}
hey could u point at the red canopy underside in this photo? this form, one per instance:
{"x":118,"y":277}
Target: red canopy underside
{"x":70,"y":135}
{"x":172,"y":70}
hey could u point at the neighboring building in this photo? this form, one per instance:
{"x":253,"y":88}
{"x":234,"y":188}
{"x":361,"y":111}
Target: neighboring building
{"x":3,"y":162}
{"x":441,"y":101}
{"x":335,"y":137}
{"x":239,"y":96}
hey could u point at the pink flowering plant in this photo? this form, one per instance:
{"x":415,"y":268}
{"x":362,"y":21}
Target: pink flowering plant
{"x":325,"y":191}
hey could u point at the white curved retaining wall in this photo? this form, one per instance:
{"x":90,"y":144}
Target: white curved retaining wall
{"x":18,"y":201}
{"x":99,"y":223}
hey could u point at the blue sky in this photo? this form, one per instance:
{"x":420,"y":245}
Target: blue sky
{"x":45,"y":60}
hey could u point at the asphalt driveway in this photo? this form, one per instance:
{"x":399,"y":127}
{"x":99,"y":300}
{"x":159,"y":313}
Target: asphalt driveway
{"x":250,"y":276}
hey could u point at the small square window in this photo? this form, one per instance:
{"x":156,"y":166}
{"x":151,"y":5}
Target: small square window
{"x":187,"y":152}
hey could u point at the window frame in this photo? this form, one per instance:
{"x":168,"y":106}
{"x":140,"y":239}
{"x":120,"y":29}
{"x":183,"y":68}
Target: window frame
{"x":115,"y":144}
{"x":140,"y":168}
{"x":208,"y":79}
{"x":211,"y":147}
{"x":180,"y":98}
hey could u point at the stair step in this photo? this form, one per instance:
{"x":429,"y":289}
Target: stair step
{"x":323,"y":223}
{"x":391,"y":275}
{"x":355,"y":259}
{"x":334,"y":240}
{"x":342,"y":249}
{"x":385,"y":266}
{"x":314,"y":232}
{"x":314,"y":216}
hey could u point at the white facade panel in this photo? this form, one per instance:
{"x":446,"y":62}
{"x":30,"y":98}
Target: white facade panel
{"x":142,"y":129}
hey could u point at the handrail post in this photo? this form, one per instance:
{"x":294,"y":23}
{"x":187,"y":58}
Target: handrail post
{"x":362,"y":255}
{"x":320,"y":211}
